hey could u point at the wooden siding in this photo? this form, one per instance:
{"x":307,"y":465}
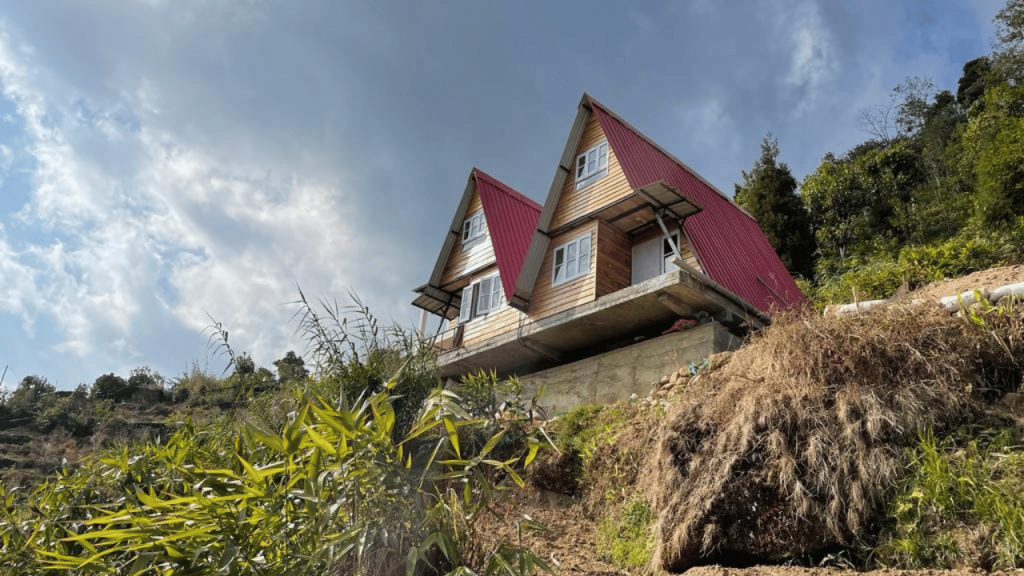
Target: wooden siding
{"x":462,"y":261}
{"x":573,"y":203}
{"x":496,"y":323}
{"x":548,"y":299}
{"x":614,"y":251}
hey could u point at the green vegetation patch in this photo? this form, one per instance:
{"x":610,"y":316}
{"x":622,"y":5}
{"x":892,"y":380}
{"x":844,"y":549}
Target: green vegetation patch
{"x":960,"y":505}
{"x":626,"y":538}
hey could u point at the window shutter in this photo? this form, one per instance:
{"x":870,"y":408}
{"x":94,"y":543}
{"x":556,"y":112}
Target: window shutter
{"x":559,"y":271}
{"x":496,"y":295}
{"x":584,"y":254}
{"x":483,"y":297}
{"x":466,"y":307}
{"x":667,"y":253}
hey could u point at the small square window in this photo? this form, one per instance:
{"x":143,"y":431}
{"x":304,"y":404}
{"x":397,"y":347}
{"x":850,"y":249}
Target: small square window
{"x":571,"y":260}
{"x":474,"y":227}
{"x":591,"y":165}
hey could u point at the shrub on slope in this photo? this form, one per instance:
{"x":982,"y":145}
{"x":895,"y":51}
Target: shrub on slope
{"x":796,"y":443}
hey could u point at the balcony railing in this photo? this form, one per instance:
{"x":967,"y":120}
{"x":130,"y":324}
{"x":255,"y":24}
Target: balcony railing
{"x":448,"y":339}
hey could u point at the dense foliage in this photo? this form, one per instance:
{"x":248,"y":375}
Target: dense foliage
{"x":356,"y":471}
{"x":769,"y":194}
{"x":942,"y":175}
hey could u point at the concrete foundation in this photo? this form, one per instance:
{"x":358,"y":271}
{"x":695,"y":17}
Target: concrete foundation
{"x":615,"y":376}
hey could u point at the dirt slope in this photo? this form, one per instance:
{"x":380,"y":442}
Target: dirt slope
{"x":991,"y":278}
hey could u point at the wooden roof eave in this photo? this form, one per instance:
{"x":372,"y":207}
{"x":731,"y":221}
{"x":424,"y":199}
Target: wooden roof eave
{"x":541,"y":238}
{"x":454,"y":232}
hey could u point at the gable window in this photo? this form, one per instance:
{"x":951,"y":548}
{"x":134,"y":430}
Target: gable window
{"x":480,"y":298}
{"x":474,"y":227}
{"x":591,"y":165}
{"x":571,"y":260}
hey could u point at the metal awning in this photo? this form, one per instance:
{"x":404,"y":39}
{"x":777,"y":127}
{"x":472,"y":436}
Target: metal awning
{"x":663,"y":195}
{"x":437,"y":301}
{"x":637,"y":210}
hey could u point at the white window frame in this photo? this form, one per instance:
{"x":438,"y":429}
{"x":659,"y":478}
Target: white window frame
{"x":473,"y":227}
{"x":571,"y":260}
{"x":667,"y":254}
{"x":592,"y":165}
{"x":480,"y":298}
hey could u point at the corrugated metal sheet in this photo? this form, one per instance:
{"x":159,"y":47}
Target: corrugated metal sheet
{"x":728,"y":242}
{"x":511,"y":221}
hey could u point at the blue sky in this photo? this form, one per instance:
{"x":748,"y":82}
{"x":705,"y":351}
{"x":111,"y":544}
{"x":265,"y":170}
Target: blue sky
{"x":166,"y":162}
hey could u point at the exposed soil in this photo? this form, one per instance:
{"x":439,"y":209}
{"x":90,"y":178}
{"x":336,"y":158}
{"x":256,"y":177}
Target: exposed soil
{"x":991,"y":278}
{"x":572,"y":544}
{"x":571,"y":548}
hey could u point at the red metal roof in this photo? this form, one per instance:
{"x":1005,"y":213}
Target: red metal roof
{"x":511,"y":221}
{"x":729,"y":244}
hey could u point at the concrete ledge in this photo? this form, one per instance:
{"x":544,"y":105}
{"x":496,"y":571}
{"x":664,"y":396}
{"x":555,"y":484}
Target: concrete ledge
{"x":615,"y":376}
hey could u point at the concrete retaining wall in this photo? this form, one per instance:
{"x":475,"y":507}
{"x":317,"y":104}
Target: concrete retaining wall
{"x":616,"y":375}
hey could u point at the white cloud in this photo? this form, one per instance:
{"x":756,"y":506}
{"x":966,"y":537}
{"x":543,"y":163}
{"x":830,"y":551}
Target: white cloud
{"x":145,"y":227}
{"x":6,"y":160}
{"x":813,"y":60}
{"x":19,"y":284}
{"x":708,"y":124}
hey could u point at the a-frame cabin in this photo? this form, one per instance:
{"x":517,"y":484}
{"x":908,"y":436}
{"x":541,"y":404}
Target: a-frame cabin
{"x":629,"y":241}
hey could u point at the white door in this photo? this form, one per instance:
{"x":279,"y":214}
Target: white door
{"x":647,"y":260}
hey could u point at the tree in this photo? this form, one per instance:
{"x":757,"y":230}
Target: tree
{"x":997,"y":137}
{"x":244,"y":364}
{"x":971,"y":85}
{"x":769,"y":193}
{"x":30,"y":396}
{"x":1009,"y":49}
{"x":860,"y":204}
{"x":111,"y":387}
{"x":913,"y":111}
{"x":291,"y":368}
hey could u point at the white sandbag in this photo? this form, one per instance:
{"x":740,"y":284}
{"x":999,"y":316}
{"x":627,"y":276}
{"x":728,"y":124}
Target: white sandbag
{"x":964,"y":299}
{"x":1010,"y":291}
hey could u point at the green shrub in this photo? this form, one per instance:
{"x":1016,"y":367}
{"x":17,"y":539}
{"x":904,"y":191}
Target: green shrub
{"x":915,"y":266}
{"x":330,"y":492}
{"x":354,"y":356}
{"x":77,"y":413}
{"x":960,"y":505}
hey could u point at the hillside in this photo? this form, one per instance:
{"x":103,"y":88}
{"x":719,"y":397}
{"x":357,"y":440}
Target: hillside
{"x":886,"y":440}
{"x":804,"y":447}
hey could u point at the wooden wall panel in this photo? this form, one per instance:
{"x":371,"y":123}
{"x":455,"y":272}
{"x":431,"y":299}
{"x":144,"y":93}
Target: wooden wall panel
{"x":613,"y":186}
{"x":463,"y":261}
{"x":613,"y":260}
{"x":498,"y":322}
{"x":548,"y":299}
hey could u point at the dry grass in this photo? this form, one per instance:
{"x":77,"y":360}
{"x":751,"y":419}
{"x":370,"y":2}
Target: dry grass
{"x":797,"y":441}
